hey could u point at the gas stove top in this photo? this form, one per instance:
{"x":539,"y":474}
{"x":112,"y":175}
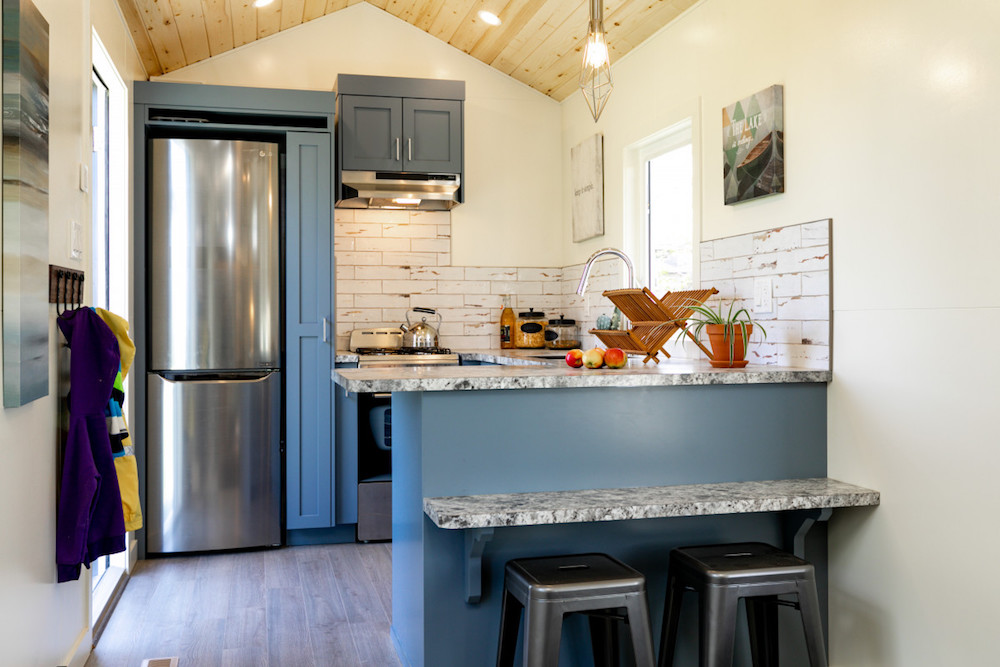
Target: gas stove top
{"x":382,"y":348}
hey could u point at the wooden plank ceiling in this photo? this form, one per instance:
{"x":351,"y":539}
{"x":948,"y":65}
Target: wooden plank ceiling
{"x":538,"y":42}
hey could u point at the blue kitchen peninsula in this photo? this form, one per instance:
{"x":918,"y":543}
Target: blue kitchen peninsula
{"x":494,"y":430}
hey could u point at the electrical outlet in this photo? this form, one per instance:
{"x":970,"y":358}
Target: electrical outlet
{"x":763,"y":297}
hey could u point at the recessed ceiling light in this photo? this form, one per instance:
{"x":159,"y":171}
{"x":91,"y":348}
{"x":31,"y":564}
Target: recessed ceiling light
{"x":489,"y":17}
{"x":262,"y":3}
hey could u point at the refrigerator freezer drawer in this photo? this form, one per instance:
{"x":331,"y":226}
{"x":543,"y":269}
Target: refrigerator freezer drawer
{"x":214,"y":473}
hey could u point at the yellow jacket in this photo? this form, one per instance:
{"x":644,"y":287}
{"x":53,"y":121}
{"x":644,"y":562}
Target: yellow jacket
{"x":125,"y":465}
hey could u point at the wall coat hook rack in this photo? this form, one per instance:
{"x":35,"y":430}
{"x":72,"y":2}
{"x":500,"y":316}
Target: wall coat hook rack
{"x":65,"y":288}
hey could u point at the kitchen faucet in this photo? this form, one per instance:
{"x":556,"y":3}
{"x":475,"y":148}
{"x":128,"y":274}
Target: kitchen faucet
{"x":590,"y":262}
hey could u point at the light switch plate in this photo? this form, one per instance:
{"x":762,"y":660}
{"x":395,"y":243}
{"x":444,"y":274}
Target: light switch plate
{"x":763,"y":295}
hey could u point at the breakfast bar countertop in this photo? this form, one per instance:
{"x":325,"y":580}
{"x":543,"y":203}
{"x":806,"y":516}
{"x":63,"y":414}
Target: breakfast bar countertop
{"x":536,"y":369}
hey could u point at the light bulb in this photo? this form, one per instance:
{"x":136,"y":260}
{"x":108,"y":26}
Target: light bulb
{"x":489,"y":17}
{"x":596,"y":50}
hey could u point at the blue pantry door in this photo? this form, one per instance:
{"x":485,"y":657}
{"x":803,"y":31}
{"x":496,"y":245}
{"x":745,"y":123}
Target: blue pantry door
{"x":309,"y":332}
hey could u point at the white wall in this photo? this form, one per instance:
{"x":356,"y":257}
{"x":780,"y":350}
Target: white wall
{"x":41,"y":622}
{"x":887,"y":109}
{"x":511,"y":215}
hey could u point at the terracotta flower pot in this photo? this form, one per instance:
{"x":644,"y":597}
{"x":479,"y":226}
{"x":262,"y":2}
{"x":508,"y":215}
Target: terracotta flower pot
{"x":721,"y":347}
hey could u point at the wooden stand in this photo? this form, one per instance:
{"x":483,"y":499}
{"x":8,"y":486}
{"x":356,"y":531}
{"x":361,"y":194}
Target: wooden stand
{"x":654,"y":320}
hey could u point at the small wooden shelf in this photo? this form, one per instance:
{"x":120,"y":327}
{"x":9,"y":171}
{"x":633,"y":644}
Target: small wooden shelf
{"x":654,"y":321}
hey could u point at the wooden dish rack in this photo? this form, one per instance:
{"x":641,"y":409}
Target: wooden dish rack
{"x":654,"y":320}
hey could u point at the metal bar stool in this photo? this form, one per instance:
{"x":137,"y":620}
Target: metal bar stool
{"x":548,"y":588}
{"x":722,"y":574}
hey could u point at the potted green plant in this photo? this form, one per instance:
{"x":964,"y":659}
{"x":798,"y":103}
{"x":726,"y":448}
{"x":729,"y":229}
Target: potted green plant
{"x":728,"y":332}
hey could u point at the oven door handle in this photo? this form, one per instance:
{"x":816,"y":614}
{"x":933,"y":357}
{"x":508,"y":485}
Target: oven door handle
{"x":382,"y":395}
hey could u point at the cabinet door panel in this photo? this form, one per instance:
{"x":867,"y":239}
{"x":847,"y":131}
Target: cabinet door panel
{"x":432,"y":131}
{"x":309,"y":422}
{"x":371,"y":131}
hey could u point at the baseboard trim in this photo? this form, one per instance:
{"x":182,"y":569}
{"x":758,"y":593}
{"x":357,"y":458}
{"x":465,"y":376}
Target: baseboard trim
{"x":80,"y":652}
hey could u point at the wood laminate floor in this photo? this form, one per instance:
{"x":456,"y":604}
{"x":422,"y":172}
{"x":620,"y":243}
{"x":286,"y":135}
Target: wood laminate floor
{"x":324,"y":605}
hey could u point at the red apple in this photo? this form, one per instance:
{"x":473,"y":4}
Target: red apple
{"x":574,"y":358}
{"x":615,"y":358}
{"x":593,"y":358}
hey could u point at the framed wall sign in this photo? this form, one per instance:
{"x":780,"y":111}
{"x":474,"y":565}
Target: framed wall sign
{"x":25,"y":203}
{"x":587,"y":167}
{"x":753,"y":146}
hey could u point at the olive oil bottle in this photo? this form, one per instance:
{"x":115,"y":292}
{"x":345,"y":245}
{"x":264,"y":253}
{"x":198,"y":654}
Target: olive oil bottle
{"x":506,"y":324}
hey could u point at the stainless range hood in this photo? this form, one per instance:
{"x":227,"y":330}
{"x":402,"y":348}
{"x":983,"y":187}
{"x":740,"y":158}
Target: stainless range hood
{"x":399,"y":190}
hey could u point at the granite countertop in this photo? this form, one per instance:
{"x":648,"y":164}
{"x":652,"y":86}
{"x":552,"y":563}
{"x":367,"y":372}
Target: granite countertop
{"x":530,"y":369}
{"x":554,"y":507}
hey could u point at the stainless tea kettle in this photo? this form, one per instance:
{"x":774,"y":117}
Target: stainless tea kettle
{"x":420,"y":334}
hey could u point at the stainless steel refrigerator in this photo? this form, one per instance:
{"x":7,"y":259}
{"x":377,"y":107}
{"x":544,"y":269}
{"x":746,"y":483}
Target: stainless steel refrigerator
{"x":214,"y":385}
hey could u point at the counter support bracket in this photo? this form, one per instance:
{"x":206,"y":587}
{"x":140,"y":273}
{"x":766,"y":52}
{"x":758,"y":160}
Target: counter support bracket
{"x":808,"y":521}
{"x":476,"y":540}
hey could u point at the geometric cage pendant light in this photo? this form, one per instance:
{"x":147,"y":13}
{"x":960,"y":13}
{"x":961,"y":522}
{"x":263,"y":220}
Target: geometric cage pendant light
{"x":595,"y":73}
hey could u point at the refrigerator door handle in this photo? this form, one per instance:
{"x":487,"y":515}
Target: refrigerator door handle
{"x":231,"y":376}
{"x":326,"y":330}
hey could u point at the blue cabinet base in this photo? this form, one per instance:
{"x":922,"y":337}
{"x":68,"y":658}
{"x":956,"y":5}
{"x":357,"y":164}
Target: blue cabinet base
{"x":334,"y":535}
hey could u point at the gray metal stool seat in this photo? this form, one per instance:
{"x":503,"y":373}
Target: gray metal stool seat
{"x":548,"y":588}
{"x":722,"y":574}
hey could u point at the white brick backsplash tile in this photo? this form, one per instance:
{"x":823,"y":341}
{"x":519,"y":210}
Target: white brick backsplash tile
{"x":359,"y":286}
{"x":491,"y":301}
{"x":399,"y":315}
{"x":437,"y":301}
{"x":490,"y":273}
{"x":503,"y":286}
{"x":816,"y":233}
{"x":382,"y":272}
{"x":437,"y":273}
{"x":410,"y":258}
{"x":466,"y":315}
{"x":804,"y":308}
{"x":479,"y":329}
{"x":733,"y":246}
{"x":430,"y":217}
{"x":528,"y":287}
{"x":783,"y":238}
{"x":410,"y":286}
{"x":343,"y":215}
{"x":444,"y":231}
{"x":344,"y":300}
{"x":469,"y":342}
{"x":755,"y":265}
{"x":716,"y":269}
{"x":342,"y":329}
{"x":804,"y":259}
{"x":359,"y":258}
{"x":381,"y":300}
{"x":359,"y":314}
{"x":742,"y":289}
{"x":727,"y":288}
{"x":802,"y":355}
{"x":444,"y":259}
{"x":816,"y":332}
{"x":410,"y":231}
{"x":344,"y":272}
{"x":354,"y":229}
{"x":707,"y":251}
{"x":451,"y":329}
{"x":430,"y":245}
{"x":815,"y":282}
{"x":544,"y":275}
{"x":343,"y":243}
{"x":463,"y":287}
{"x":781,"y":331}
{"x":382,"y":244}
{"x":787,"y":284}
{"x":383,"y":216}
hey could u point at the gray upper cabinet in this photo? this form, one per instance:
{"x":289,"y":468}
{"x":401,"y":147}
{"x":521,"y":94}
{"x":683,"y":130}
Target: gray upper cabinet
{"x":432,"y":132}
{"x":402,"y":125}
{"x":372,"y":132}
{"x":401,"y":134}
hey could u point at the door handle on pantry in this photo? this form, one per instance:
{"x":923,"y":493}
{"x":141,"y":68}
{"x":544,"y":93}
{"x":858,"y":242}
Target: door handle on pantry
{"x":326,"y":330}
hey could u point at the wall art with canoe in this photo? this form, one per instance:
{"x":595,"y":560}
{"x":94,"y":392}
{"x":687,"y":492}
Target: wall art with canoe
{"x":753,"y":145}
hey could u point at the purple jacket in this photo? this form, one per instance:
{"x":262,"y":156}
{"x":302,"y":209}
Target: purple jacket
{"x":90,"y":522}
